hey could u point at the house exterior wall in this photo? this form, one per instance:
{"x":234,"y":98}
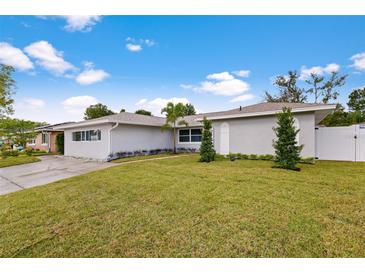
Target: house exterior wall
{"x":51,"y":147}
{"x":129,"y":138}
{"x":254,"y":135}
{"x":88,"y":149}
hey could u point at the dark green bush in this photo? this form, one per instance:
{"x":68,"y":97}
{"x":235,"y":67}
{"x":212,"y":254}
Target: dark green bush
{"x":207,"y":152}
{"x":253,"y":157}
{"x":266,"y":157}
{"x":29,"y":151}
{"x":60,"y":143}
{"x":6,"y":151}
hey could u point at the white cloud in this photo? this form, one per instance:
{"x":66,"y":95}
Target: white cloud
{"x":83,"y":23}
{"x":32,"y":104}
{"x":359,"y":61}
{"x":222,"y":76}
{"x":133,"y":47}
{"x":90,"y":75}
{"x":48,"y":57}
{"x":242,"y":73}
{"x":136,"y":45}
{"x":242,"y":98}
{"x":14,"y":57}
{"x":225,"y":88}
{"x":157,"y":104}
{"x":221,"y":84}
{"x":306,"y":72}
{"x":77,"y":104}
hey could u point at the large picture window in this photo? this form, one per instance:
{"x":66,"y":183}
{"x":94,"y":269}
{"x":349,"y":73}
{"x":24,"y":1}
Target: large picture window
{"x":86,"y":135}
{"x":193,"y":135}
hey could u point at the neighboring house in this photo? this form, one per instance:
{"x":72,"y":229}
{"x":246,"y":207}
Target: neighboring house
{"x":247,"y":130}
{"x":46,"y":138}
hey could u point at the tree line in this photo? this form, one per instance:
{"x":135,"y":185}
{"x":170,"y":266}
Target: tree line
{"x":323,"y":89}
{"x":100,"y":110}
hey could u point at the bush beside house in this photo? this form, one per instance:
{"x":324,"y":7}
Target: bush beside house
{"x":287,"y":149}
{"x":207,"y":152}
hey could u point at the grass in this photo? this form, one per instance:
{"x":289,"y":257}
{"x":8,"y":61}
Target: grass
{"x":19,"y":160}
{"x":182,"y":208}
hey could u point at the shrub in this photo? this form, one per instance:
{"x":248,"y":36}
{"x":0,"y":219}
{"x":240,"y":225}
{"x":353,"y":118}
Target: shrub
{"x":29,"y":151}
{"x":286,"y":148}
{"x":207,"y":152}
{"x":253,"y":157}
{"x":266,"y":157}
{"x":244,"y":156}
{"x":6,"y":151}
{"x":60,"y":143}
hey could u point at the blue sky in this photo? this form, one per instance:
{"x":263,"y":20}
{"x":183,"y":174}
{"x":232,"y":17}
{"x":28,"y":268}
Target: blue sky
{"x":64,"y":64}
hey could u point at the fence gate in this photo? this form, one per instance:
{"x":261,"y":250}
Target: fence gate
{"x":341,"y":143}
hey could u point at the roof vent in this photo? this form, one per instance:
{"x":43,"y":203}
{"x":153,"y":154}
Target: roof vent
{"x":240,"y":108}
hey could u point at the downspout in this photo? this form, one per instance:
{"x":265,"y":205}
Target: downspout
{"x":110,"y":137}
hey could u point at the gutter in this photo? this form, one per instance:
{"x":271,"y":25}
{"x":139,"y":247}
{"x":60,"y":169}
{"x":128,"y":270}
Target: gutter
{"x":110,"y":137}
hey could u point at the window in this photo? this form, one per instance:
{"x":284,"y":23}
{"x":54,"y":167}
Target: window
{"x":86,"y":135}
{"x":44,"y":138}
{"x":193,"y":135}
{"x":31,"y":142}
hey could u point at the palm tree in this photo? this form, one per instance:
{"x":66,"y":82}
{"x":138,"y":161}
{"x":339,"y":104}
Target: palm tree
{"x":173,"y":113}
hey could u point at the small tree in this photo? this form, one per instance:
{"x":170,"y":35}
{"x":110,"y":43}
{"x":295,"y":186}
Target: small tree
{"x":357,"y":100}
{"x":289,"y":91}
{"x":325,"y":89}
{"x":18,"y":131}
{"x":60,"y":143}
{"x":173,"y":114}
{"x":286,"y":147}
{"x":207,"y":152}
{"x":96,"y":111}
{"x":7,"y":86}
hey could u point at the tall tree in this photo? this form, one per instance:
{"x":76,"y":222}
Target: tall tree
{"x":288,"y":89}
{"x":143,"y":112}
{"x":7,"y":86}
{"x":18,"y":131}
{"x":207,"y":152}
{"x":287,"y":149}
{"x":357,"y":100}
{"x":189,"y":109}
{"x":96,"y":111}
{"x":325,"y":90}
{"x":174,"y":116}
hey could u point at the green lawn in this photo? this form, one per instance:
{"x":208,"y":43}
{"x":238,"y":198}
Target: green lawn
{"x":182,"y":208}
{"x":19,"y":160}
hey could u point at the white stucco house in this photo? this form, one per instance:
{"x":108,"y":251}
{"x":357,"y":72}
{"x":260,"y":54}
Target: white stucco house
{"x":247,"y":130}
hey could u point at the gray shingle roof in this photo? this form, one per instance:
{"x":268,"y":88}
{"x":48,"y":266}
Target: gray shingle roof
{"x":257,"y":108}
{"x":138,"y":119}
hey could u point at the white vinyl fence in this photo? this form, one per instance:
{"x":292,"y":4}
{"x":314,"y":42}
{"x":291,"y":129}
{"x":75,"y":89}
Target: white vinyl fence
{"x":341,"y":143}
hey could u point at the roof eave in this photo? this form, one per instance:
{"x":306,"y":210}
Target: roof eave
{"x":82,"y":124}
{"x":266,"y":113}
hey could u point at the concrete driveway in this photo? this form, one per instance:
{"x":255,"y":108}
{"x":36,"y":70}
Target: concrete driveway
{"x":48,"y":170}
